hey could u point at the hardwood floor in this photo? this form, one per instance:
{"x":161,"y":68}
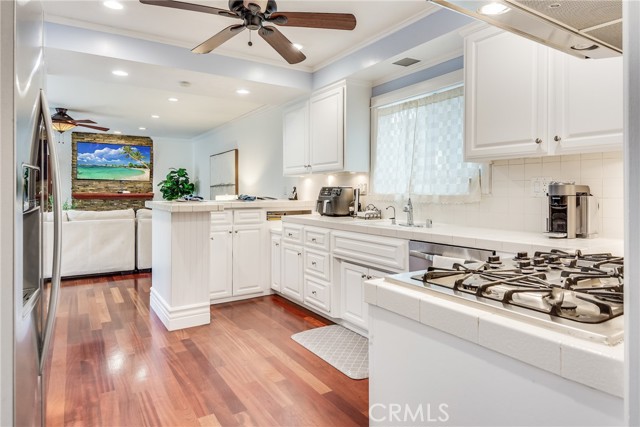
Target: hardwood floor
{"x":113,"y":363}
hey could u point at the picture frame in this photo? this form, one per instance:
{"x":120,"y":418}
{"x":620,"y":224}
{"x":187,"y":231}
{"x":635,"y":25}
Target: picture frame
{"x":223,"y":174}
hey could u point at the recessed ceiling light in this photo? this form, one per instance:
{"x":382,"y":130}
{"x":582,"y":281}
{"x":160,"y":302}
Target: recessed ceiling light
{"x":298,"y":46}
{"x":243,"y":92}
{"x":113,"y":4}
{"x":120,"y":73}
{"x":173,"y":99}
{"x":142,"y":128}
{"x":117,"y":132}
{"x":155,"y":116}
{"x":493,"y":9}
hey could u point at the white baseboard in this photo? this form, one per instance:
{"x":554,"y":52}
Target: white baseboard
{"x":175,"y":318}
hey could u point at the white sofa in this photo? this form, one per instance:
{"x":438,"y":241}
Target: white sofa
{"x":93,"y":242}
{"x":143,"y":239}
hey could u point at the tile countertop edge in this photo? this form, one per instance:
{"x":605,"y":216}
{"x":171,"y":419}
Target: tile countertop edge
{"x":571,"y":358}
{"x":486,"y":238}
{"x":213,"y":206}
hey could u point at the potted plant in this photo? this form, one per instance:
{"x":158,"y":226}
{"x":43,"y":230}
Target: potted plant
{"x":176,"y":184}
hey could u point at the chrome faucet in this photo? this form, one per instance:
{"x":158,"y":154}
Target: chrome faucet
{"x":408,"y":208}
{"x":393,"y":218}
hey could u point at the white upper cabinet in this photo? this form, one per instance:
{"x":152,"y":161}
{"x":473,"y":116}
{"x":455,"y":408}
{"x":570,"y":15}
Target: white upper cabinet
{"x":505,"y":96}
{"x":523,"y":99}
{"x":328,"y":133}
{"x":326,"y":150}
{"x":295,"y":134}
{"x":586,"y":109}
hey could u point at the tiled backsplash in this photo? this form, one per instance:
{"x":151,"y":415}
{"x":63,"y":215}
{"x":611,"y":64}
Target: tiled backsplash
{"x":511,"y":206}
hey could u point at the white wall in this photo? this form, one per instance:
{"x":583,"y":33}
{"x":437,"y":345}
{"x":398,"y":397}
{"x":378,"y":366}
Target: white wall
{"x":258,"y":138}
{"x":170,"y":153}
{"x":511,"y":206}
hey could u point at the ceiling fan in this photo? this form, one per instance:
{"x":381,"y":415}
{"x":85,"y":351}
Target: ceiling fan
{"x":63,"y":122}
{"x":255,"y":14}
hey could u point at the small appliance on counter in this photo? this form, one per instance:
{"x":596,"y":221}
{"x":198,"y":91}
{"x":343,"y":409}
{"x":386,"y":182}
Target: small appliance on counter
{"x":573,"y":211}
{"x":334,"y":201}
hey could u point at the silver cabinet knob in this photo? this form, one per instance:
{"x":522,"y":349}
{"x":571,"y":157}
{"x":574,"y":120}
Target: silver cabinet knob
{"x":230,"y":231}
{"x":277,"y":244}
{"x":314,"y":292}
{"x":289,"y":234}
{"x":364,"y":276}
{"x":313,"y":239}
{"x":314,"y":263}
{"x":538,"y":141}
{"x":557,"y":138}
{"x":299,"y":253}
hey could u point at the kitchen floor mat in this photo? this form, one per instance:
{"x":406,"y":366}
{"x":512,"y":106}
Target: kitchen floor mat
{"x":343,"y":349}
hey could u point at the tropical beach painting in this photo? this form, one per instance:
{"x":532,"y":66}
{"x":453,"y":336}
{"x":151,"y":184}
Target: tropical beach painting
{"x":113,"y":162}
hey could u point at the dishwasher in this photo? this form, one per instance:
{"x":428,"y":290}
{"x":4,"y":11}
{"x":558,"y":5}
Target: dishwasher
{"x":421,"y":254}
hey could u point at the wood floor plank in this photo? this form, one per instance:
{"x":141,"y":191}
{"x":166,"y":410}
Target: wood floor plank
{"x":113,"y":363}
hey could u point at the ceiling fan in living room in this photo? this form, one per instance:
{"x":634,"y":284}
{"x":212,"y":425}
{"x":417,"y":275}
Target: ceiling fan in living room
{"x":254,"y":15}
{"x":63,"y":122}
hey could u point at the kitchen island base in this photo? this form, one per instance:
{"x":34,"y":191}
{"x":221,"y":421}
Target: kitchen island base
{"x":422,"y":376}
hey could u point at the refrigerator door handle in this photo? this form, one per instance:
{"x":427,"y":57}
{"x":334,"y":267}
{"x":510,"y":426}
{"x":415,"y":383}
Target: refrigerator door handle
{"x":57,"y":232}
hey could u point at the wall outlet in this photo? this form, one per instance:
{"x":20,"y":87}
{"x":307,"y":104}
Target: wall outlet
{"x":540,"y":186}
{"x":363,"y":188}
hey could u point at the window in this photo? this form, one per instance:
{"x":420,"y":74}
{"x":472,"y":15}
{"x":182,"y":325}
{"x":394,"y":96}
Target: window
{"x":419,"y":149}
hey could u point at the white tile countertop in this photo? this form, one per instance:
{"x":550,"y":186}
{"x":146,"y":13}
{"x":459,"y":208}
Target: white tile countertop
{"x":213,"y":206}
{"x":477,"y":237}
{"x":593,"y":364}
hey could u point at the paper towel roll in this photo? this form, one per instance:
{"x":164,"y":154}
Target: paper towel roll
{"x":440,"y":261}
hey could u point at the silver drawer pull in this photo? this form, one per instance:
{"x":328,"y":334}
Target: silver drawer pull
{"x":289,"y":234}
{"x":314,"y":263}
{"x":313,"y":239}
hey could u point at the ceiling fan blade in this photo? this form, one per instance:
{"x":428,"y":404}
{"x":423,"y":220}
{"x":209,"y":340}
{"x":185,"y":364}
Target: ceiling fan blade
{"x":94,"y":127}
{"x":191,"y":6}
{"x":82,"y":121}
{"x":331,"y":21}
{"x":281,"y":44}
{"x":215,"y":41}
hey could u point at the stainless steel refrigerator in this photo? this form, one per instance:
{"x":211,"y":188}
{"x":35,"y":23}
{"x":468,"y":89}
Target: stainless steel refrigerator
{"x":30,"y":189}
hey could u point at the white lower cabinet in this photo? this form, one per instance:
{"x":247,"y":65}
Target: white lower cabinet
{"x":352,"y":278}
{"x":238,"y":252}
{"x":276,"y":261}
{"x":292,"y":271}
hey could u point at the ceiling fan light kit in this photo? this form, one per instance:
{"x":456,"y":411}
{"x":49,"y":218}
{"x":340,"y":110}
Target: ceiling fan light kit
{"x":63,"y":122}
{"x":255,"y":14}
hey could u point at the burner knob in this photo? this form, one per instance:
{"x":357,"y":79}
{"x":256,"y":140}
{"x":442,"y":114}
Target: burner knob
{"x":522,"y":255}
{"x":538,"y":261}
{"x":493,"y":259}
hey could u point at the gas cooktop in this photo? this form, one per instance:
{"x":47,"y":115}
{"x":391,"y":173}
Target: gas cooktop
{"x":580,"y":294}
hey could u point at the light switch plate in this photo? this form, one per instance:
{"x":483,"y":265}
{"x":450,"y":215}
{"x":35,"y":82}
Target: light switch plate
{"x":540,"y":186}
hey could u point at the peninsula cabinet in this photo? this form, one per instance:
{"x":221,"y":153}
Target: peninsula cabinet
{"x":523,"y":99}
{"x":352,"y":278}
{"x":238,"y":254}
{"x":329,"y":132}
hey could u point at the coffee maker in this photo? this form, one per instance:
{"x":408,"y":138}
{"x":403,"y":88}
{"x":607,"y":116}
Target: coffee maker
{"x":573,"y":211}
{"x":334,"y":201}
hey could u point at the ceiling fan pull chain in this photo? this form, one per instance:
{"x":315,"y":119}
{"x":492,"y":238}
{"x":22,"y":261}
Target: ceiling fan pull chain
{"x":250,"y":42}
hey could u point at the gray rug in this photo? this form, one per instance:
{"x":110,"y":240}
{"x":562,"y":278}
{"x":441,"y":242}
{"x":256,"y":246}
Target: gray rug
{"x":343,"y":349}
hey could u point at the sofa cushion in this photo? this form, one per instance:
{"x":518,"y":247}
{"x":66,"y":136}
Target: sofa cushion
{"x":144,"y":213}
{"x":74,"y":215}
{"x":48,"y":216}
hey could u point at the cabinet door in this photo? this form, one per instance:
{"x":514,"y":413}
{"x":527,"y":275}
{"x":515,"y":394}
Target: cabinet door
{"x":248,"y":274}
{"x":276,"y":262}
{"x":295,"y":135}
{"x":292,"y":268}
{"x":326,"y":148}
{"x":505,"y":96}
{"x":220,"y":263}
{"x":354,"y":309}
{"x":586,"y":111}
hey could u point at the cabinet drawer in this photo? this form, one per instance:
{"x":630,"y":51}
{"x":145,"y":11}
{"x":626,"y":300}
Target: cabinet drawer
{"x":317,"y":293}
{"x":318,"y":263}
{"x":383,"y":252}
{"x":221,"y":218}
{"x":292,"y":233}
{"x":248,"y":216}
{"x":317,"y":238}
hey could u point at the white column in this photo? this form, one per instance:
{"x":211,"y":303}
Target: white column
{"x":631,"y":48}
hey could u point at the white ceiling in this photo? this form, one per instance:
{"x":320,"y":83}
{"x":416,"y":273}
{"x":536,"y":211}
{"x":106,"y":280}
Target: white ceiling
{"x":83,"y":82}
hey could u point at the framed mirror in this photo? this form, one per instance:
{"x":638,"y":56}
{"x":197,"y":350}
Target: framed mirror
{"x":223,"y":174}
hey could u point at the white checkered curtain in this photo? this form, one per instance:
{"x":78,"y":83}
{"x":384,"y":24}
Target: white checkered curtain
{"x":419,"y":150}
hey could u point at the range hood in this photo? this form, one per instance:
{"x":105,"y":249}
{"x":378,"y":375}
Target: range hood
{"x":583,"y":28}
